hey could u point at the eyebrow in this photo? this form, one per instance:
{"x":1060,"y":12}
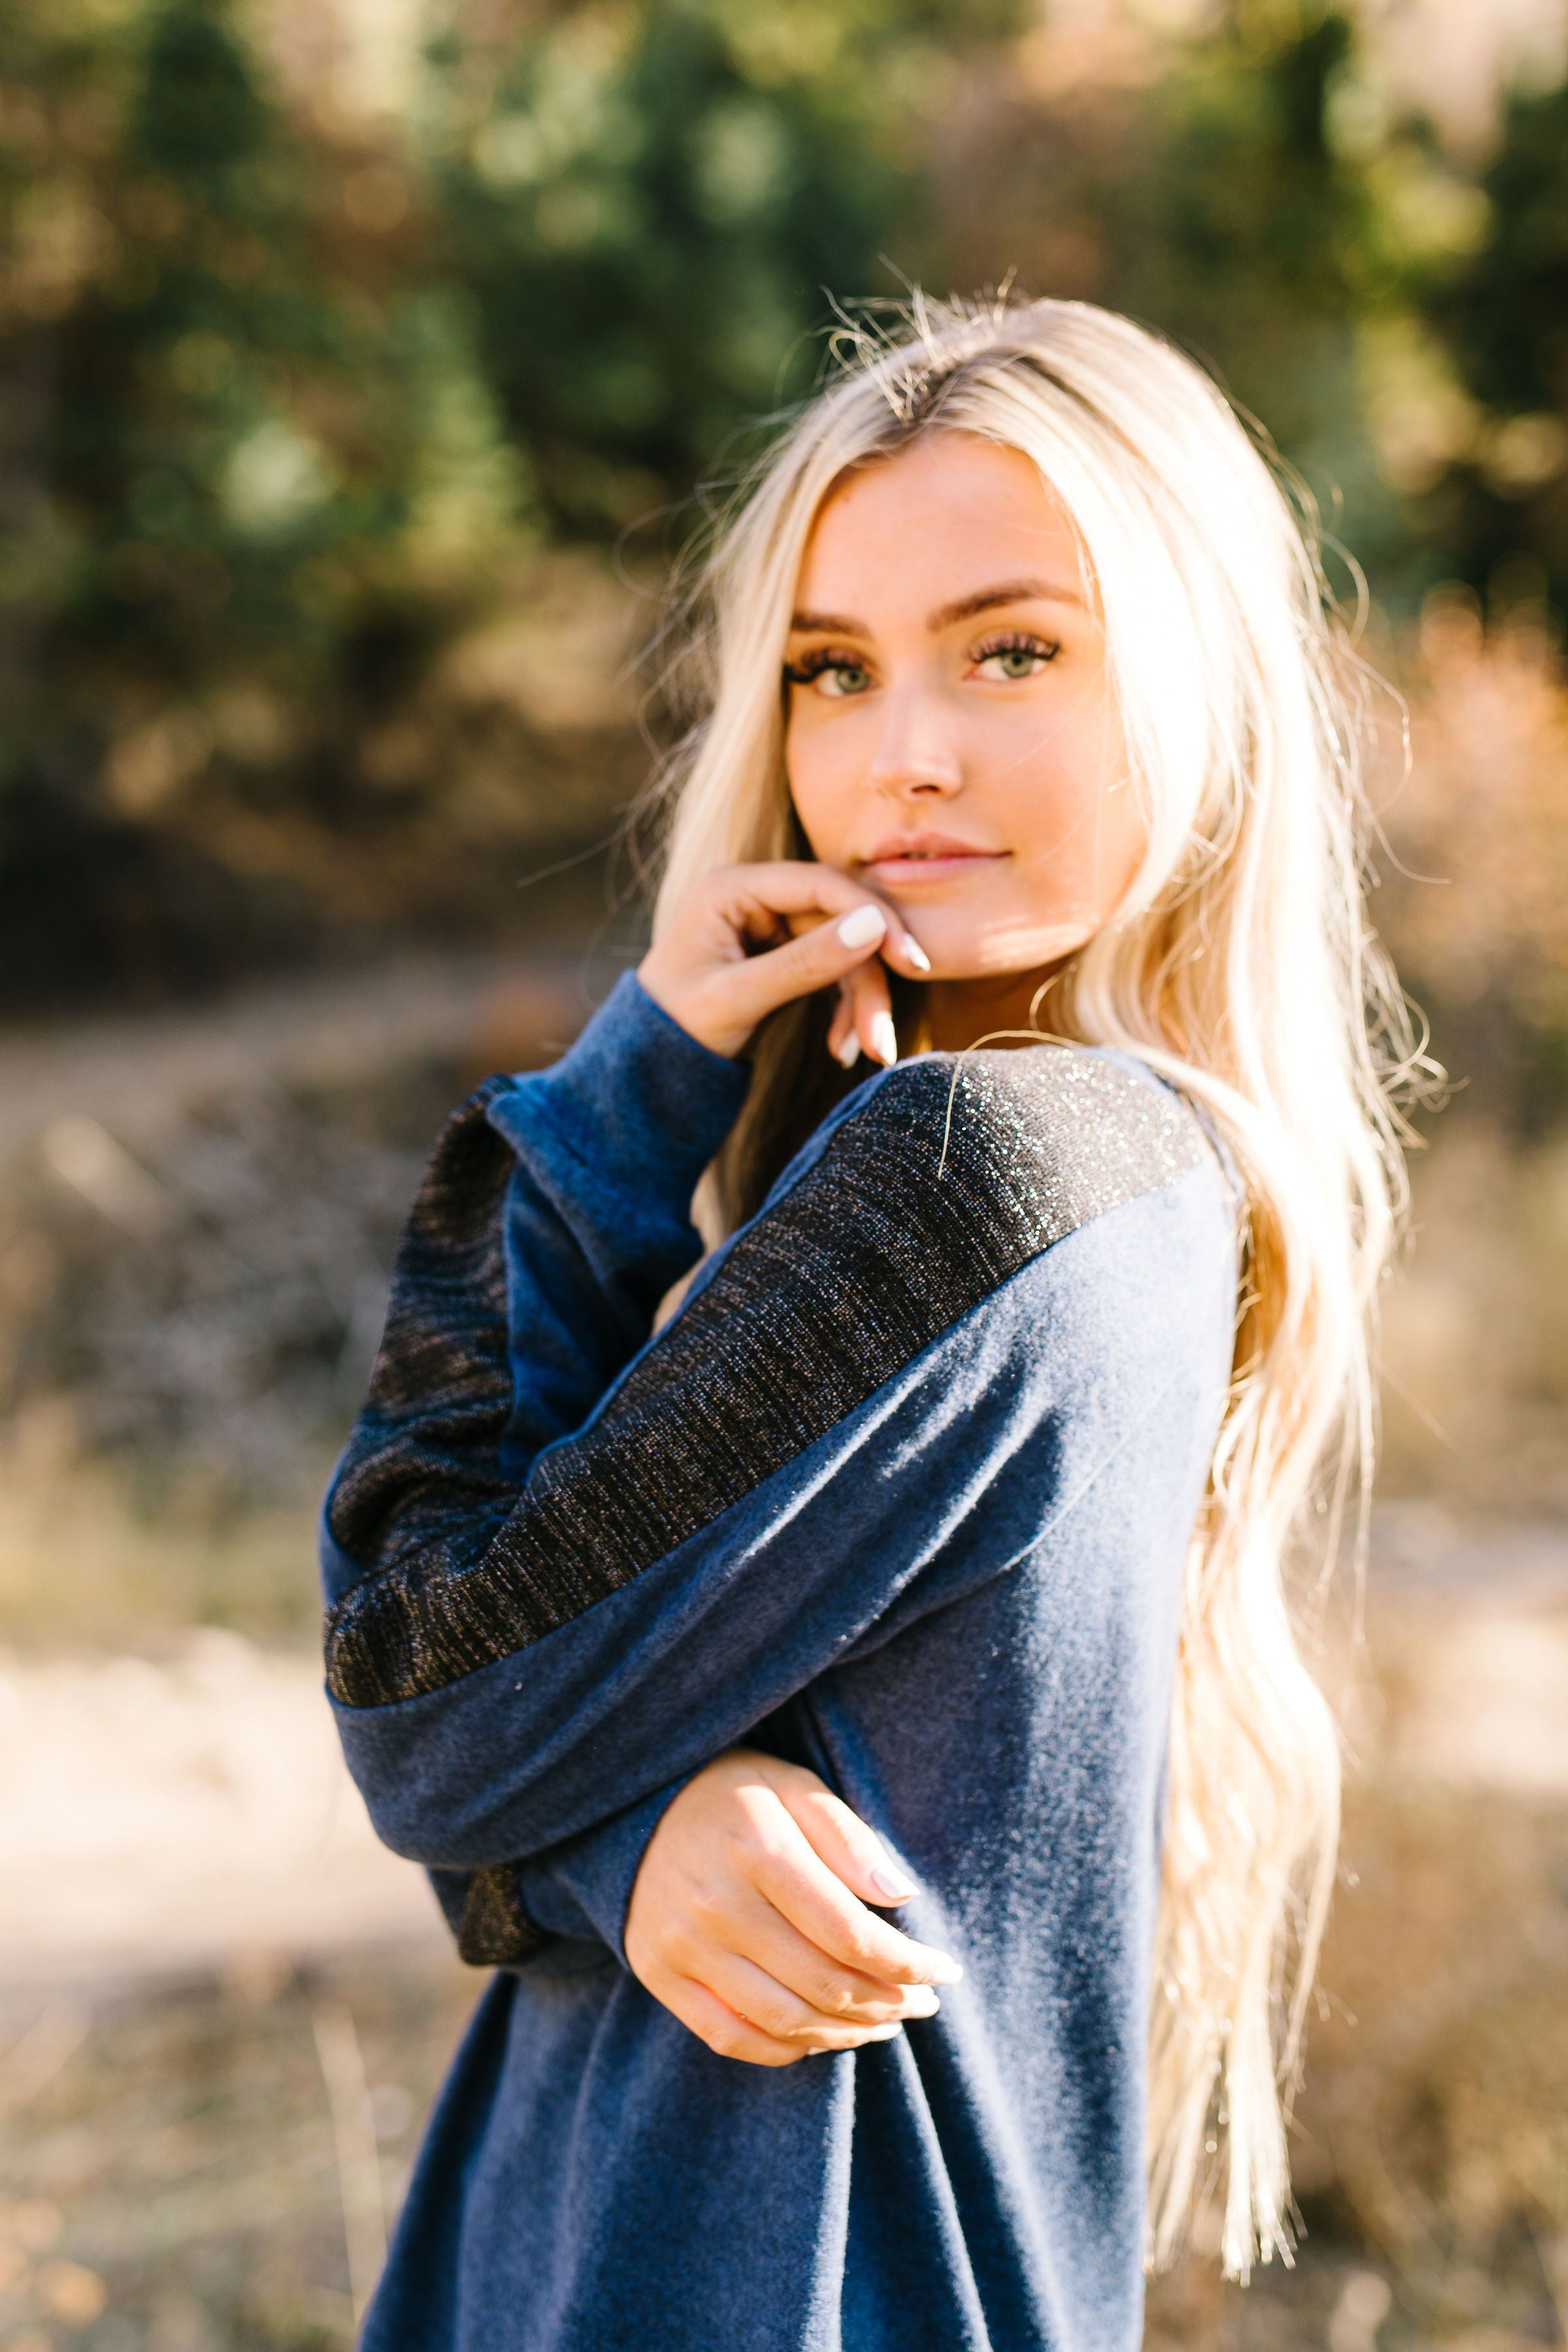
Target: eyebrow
{"x":1007,"y":592}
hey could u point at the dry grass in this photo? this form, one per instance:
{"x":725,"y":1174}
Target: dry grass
{"x":86,"y":1563}
{"x":1474,"y":903}
{"x":1431,"y":2153}
{"x":178,"y":2185}
{"x":1475,"y":1343}
{"x":1475,"y":893}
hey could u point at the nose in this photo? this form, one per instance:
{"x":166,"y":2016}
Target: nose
{"x":916,"y":755}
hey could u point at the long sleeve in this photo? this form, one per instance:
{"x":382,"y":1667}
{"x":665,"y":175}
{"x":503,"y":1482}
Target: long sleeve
{"x":562,"y":1200}
{"x":876,"y":1399}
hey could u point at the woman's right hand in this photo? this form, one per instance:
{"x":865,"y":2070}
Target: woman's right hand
{"x":749,"y":1917}
{"x":748,"y":939}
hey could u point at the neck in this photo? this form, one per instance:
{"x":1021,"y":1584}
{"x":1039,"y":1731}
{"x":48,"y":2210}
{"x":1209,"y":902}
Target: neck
{"x":944,"y":1016}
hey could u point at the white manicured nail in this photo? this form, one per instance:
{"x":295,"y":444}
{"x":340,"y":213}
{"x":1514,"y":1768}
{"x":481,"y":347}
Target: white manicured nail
{"x":920,"y":2002}
{"x":916,"y":953}
{"x":849,"y":1052}
{"x":865,"y":924}
{"x":893,"y":1883}
{"x":884,"y":1038}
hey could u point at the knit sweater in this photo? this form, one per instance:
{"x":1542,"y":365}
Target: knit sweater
{"x":902,"y":1492}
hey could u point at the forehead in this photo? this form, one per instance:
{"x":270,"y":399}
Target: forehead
{"x":948,"y":513}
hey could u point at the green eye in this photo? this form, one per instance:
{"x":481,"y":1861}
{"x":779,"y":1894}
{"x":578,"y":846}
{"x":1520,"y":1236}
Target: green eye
{"x":852,"y":677}
{"x":1019,"y":657}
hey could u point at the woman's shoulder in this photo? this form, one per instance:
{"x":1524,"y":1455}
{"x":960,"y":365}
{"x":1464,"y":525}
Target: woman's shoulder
{"x":1023,"y":1144}
{"x":935,"y":1181}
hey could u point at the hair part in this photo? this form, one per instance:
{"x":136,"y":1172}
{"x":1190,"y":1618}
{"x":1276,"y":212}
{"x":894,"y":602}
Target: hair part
{"x":1240,"y":966}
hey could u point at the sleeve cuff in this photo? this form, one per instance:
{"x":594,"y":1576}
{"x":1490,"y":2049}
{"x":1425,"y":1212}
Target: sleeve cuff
{"x":583,"y":1886}
{"x":637,"y":1086}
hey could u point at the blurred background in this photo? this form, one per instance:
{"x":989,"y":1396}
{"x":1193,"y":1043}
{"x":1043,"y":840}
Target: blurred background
{"x":361,"y":364}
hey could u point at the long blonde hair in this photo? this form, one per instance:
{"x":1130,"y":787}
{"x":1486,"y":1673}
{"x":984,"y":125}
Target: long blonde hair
{"x":1239,"y":966}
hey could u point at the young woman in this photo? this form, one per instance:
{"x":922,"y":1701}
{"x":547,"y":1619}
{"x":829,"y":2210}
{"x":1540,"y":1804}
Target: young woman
{"x":907,"y":1610}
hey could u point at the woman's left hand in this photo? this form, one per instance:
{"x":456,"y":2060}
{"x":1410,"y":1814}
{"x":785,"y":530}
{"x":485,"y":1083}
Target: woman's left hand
{"x":751,"y":1917}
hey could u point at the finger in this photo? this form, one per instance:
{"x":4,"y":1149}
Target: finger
{"x":871,"y":1012}
{"x":815,"y":959}
{"x":753,"y":1931}
{"x":731,"y":2035}
{"x":726,"y":2032}
{"x":776,"y":2009}
{"x":842,"y":1041}
{"x":762,"y":894}
{"x":826,"y":1988}
{"x":849,"y":1846}
{"x":815,"y":1901}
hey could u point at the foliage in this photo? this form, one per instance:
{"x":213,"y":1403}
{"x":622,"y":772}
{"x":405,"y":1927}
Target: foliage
{"x":246,"y":479}
{"x":1505,"y":319}
{"x":296,"y":397}
{"x":651,"y":219}
{"x":278,"y":395}
{"x":1391,"y":311}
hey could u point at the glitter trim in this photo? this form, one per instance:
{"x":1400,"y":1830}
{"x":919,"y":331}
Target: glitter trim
{"x":868,"y":1257}
{"x":495,"y":1931}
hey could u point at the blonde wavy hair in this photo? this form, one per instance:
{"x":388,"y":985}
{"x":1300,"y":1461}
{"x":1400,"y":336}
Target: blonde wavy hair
{"x":1241,"y":967}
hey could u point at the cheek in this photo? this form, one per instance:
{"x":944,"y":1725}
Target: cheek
{"x":1078,"y":817}
{"x":821,"y":787}
{"x":1126,"y":832}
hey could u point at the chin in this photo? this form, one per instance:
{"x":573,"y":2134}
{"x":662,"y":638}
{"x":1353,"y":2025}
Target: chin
{"x":995,"y":955}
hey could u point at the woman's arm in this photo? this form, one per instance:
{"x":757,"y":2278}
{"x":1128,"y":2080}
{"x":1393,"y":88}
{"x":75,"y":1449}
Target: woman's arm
{"x":810,"y":1453}
{"x":559,"y":1204}
{"x":556,"y":1213}
{"x":589,"y":1214}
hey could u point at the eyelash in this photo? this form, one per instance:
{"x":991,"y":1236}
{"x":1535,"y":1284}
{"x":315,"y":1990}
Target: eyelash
{"x":1005,"y":640}
{"x":1017,"y":641}
{"x":800,"y":672}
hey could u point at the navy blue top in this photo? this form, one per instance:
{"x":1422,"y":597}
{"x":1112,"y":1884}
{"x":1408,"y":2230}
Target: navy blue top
{"x":902,"y":1491}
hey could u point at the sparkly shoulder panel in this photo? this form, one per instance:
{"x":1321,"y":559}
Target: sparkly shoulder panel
{"x":922,"y":1203}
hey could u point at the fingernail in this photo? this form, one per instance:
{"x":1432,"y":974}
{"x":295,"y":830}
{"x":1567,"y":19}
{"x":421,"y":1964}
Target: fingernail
{"x":946,"y":1971}
{"x":849,"y":1052}
{"x":884,"y":2032}
{"x":916,"y":953}
{"x":893,"y":1883}
{"x":920,"y":2002}
{"x":884,"y":1038}
{"x":865,"y":924}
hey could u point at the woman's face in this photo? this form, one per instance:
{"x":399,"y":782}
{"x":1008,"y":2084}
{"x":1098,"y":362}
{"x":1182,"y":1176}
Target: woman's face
{"x":952,"y":737}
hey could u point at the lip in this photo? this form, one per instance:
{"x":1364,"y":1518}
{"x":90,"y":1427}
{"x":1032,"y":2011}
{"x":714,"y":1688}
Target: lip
{"x":915,"y":857}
